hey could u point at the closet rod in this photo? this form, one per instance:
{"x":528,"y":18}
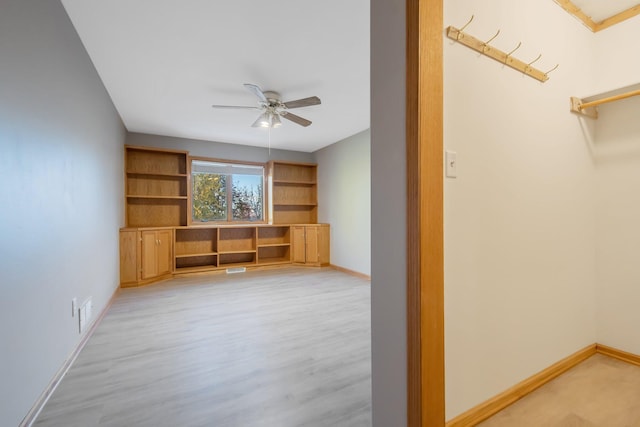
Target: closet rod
{"x":584,"y":105}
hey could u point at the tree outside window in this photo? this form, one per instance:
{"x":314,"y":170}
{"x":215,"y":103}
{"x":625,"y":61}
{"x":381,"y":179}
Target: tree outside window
{"x":227,"y":191}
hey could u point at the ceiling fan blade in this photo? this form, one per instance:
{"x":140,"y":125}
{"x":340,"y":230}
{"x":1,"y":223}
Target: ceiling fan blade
{"x":256,"y":91}
{"x":295,"y":119}
{"x":235,"y":107}
{"x":305,"y":102}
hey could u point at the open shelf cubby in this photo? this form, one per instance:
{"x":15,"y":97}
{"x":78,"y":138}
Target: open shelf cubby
{"x":288,"y":194}
{"x":237,"y":239}
{"x":156,"y":185}
{"x":149,"y":212}
{"x":155,"y":161}
{"x":295,"y":214}
{"x":274,"y":235}
{"x":284,"y":172}
{"x":274,"y":254}
{"x":196,"y":241}
{"x":192,"y":264}
{"x":237,"y":259}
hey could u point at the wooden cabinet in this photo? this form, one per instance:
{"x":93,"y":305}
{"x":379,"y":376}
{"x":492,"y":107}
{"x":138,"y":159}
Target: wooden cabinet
{"x":145,"y":255}
{"x":311,"y":244}
{"x":155,"y":187}
{"x":294,"y":192}
{"x":155,"y":253}
{"x":299,"y":251}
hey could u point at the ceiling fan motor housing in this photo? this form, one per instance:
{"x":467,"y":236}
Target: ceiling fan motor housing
{"x":272,"y":97}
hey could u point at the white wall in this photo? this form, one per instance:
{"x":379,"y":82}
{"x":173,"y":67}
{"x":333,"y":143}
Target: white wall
{"x":218,"y":150}
{"x":520,"y":218}
{"x":617,"y":148}
{"x":344,"y":200}
{"x":388,"y":214}
{"x":61,"y":190}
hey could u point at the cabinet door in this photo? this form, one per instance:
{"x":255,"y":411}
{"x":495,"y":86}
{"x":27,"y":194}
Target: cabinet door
{"x":149,"y":255}
{"x":298,"y":244}
{"x":164,"y":251}
{"x":312,"y":244}
{"x":323,"y":245}
{"x":128,"y":257}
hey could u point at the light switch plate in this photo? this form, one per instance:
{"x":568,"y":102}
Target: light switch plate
{"x":451,"y":164}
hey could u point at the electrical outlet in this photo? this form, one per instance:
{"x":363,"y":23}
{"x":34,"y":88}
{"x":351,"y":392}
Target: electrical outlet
{"x":89,"y":308}
{"x":84,"y":314}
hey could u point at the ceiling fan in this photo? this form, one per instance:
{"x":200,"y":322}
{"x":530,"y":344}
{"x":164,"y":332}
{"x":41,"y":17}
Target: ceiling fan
{"x":273,"y":108}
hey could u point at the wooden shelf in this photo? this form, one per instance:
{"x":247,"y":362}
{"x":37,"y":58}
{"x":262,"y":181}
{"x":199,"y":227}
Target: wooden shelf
{"x":274,"y":245}
{"x":295,"y":204}
{"x":196,"y":255}
{"x":134,"y":196}
{"x":237,"y":264}
{"x":294,"y":192}
{"x":158,"y":174}
{"x":290,"y":182}
{"x":201,"y":268}
{"x":237,"y":252}
{"x":237,"y":259}
{"x":156,"y":187}
{"x":273,"y":261}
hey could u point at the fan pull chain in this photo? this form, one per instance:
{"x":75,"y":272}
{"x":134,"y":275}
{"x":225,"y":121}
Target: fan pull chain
{"x":269,"y":142}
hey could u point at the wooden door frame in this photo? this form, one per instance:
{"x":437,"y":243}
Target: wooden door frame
{"x":425,"y":244}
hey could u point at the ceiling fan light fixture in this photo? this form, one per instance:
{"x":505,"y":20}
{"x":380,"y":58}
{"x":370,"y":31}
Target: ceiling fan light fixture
{"x":263,"y":121}
{"x":275,"y":121}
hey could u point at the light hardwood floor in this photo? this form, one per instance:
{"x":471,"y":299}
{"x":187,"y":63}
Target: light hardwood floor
{"x":270,"y":348}
{"x":599,"y":392}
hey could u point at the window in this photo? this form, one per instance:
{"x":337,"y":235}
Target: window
{"x":227,"y":191}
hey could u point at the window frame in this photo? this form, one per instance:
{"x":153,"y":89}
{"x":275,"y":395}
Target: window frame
{"x":229,"y":191}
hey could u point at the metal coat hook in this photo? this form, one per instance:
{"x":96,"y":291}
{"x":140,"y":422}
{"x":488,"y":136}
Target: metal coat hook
{"x":532,"y":62}
{"x":463,"y":27}
{"x":487,"y":49}
{"x":506,"y":58}
{"x":535,"y":60}
{"x":553,"y":69}
{"x":489,"y":41}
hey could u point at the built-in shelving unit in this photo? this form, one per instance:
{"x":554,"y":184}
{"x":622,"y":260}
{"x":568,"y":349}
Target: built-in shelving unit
{"x":156,"y":187}
{"x":294,"y":192}
{"x":210,"y":248}
{"x":158,"y":241}
{"x":274,"y":245}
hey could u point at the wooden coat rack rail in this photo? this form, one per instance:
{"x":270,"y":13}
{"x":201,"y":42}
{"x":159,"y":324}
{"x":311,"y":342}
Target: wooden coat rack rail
{"x":587,"y":109}
{"x":492,"y":52}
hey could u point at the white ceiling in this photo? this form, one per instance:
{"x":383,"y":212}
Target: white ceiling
{"x":599,"y":10}
{"x":164,"y":62}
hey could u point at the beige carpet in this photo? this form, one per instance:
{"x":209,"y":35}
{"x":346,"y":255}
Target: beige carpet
{"x":600,"y":392}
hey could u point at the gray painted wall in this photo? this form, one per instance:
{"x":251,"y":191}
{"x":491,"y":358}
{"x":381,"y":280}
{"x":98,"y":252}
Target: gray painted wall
{"x":61,"y":196}
{"x":217,"y":150}
{"x":344,"y":200}
{"x":388,"y":213}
